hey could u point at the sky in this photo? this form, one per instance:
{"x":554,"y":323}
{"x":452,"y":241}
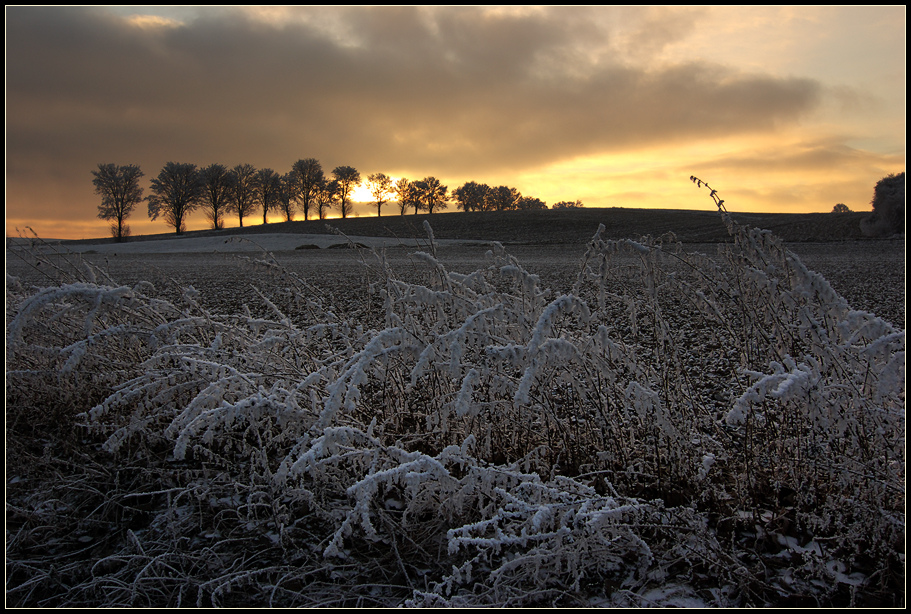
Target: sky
{"x":781,"y":109}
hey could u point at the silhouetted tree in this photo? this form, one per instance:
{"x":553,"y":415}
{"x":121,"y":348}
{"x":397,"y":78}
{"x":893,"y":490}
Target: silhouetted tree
{"x":216,"y":180}
{"x":119,"y":189}
{"x":530,"y":203}
{"x":306,"y":174}
{"x":379,"y":184}
{"x":470,"y":196}
{"x":501,"y":198}
{"x":841,"y":208}
{"x":324,"y":196}
{"x":268,"y":189}
{"x":418,"y":199}
{"x":176,"y":192}
{"x":407,"y":194}
{"x":568,"y":204}
{"x":888,"y":207}
{"x":243,"y":191}
{"x":286,"y":196}
{"x":348,"y":178}
{"x":432,"y":194}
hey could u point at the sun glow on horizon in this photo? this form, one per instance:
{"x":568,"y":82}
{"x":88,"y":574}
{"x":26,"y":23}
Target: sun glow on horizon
{"x":362,"y":193}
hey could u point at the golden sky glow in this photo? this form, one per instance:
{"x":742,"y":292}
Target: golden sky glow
{"x":790,"y":109}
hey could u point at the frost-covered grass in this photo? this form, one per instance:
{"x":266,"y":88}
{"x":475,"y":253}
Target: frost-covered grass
{"x":670,"y":428}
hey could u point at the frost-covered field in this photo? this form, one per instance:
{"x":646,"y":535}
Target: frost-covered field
{"x":869,"y":274}
{"x":625,"y":423}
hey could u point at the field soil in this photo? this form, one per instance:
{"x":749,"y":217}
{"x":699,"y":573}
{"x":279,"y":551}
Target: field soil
{"x":870,"y":273}
{"x":561,"y":226}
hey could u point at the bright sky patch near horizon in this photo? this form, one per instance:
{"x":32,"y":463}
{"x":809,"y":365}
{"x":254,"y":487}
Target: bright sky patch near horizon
{"x":782,"y":109}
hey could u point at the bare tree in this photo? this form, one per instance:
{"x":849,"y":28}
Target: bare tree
{"x":176,"y":192}
{"x":433,"y":194}
{"x":216,"y":180}
{"x":380,"y":185}
{"x":268,"y":189}
{"x":119,"y":189}
{"x":243,"y":191}
{"x":306,"y":176}
{"x":470,"y":196}
{"x":324,"y":196}
{"x":407,"y":195}
{"x":502,"y":198}
{"x":348,"y":178}
{"x":286,"y":196}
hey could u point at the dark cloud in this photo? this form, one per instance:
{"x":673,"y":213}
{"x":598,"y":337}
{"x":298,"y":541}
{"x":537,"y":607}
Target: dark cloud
{"x":457,"y":87}
{"x":450,"y":92}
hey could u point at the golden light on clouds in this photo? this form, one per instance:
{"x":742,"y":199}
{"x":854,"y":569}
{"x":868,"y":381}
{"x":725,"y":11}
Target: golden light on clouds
{"x":152,"y":22}
{"x":784,"y":108}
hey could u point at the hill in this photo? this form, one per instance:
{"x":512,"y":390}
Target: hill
{"x":564,"y":226}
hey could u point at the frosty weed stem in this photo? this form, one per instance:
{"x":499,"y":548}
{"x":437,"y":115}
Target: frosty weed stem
{"x":713,"y":193}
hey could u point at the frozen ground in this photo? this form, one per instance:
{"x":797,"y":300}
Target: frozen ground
{"x":467,"y":440}
{"x":870,"y":274}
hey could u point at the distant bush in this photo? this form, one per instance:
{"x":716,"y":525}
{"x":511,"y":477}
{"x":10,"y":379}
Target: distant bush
{"x":841,"y":208}
{"x":888,"y":207}
{"x":530,"y":203}
{"x":120,"y":234}
{"x":568,"y":204}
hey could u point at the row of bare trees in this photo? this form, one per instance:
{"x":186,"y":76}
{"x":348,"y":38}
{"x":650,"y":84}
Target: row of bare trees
{"x":473,"y":196}
{"x":181,"y":188}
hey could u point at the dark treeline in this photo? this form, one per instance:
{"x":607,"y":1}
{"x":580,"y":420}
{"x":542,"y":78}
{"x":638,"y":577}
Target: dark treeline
{"x":181,"y":188}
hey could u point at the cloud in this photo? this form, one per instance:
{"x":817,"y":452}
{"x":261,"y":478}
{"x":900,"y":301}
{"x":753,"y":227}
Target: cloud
{"x":487,"y":93}
{"x":458,"y":90}
{"x":153,"y":22}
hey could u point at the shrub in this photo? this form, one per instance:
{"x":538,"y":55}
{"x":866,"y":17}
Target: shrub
{"x":568,"y":204}
{"x":120,"y":234}
{"x":888,"y":207}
